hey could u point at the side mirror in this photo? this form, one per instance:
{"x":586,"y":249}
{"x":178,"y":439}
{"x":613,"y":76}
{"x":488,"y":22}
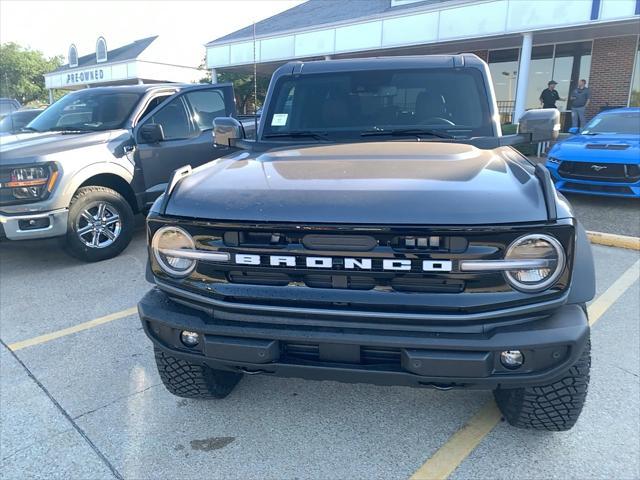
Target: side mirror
{"x":542,"y":124}
{"x":151,"y":133}
{"x":574,"y":130}
{"x":227,"y":131}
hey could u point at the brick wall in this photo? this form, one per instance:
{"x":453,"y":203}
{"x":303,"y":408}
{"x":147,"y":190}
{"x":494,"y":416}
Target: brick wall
{"x":612,"y":62}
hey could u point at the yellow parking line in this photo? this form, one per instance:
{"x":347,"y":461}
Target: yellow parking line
{"x":613,"y":240}
{"x":460,"y":445}
{"x":449,"y":457}
{"x":75,"y":329}
{"x":613,"y":293}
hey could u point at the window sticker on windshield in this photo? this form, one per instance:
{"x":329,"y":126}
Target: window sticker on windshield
{"x":279,"y":119}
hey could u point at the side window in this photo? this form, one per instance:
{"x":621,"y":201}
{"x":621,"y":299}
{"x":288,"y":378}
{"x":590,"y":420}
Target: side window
{"x":153,"y":103}
{"x":206,"y":105}
{"x":174,"y":120}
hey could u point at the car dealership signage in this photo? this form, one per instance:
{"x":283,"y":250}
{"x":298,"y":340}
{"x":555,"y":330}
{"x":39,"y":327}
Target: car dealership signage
{"x":85,"y":76}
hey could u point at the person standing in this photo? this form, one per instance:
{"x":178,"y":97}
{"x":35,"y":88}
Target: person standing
{"x":580,"y":98}
{"x":550,"y":95}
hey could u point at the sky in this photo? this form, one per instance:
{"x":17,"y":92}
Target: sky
{"x":51,"y":26}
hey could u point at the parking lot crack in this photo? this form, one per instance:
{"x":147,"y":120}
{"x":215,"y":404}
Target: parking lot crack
{"x":66,"y":415}
{"x":115,"y":400}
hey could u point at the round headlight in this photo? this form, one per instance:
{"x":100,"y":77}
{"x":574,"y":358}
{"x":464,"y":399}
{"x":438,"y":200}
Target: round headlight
{"x":167,"y":244}
{"x":551,"y":261}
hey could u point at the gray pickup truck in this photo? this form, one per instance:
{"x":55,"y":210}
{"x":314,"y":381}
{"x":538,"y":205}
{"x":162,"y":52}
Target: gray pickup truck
{"x":86,"y":165}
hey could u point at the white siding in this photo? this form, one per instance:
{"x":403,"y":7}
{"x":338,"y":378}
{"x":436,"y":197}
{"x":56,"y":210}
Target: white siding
{"x":275,"y":48}
{"x":473,"y":20}
{"x":314,"y":43}
{"x":359,"y":37}
{"x":218,"y":56}
{"x":617,"y":9}
{"x":525,"y":15}
{"x":413,"y":29}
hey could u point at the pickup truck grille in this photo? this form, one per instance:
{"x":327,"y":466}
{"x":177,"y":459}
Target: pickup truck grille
{"x":601,"y":172}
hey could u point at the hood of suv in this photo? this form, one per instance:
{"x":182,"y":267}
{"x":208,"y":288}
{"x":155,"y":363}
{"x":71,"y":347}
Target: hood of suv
{"x":410,"y":183}
{"x":24,"y":146}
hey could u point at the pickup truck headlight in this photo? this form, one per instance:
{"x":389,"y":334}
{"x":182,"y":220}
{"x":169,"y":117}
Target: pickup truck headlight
{"x":29,"y":183}
{"x":171,"y":247}
{"x":538,"y":247}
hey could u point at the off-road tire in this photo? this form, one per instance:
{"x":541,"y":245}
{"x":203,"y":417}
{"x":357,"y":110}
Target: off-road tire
{"x":553,"y":407}
{"x":193,"y":380}
{"x":84,"y":197}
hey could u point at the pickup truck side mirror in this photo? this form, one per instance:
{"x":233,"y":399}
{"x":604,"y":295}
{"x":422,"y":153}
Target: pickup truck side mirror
{"x":543,"y":124}
{"x":574,"y":130}
{"x":151,"y":133}
{"x":227,"y":131}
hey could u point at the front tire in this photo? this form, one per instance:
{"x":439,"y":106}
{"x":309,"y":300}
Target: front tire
{"x":193,"y":380}
{"x":100,"y":224}
{"x":555,"y":406}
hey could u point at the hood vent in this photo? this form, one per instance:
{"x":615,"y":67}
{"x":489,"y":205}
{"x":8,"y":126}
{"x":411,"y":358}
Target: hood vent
{"x":607,"y":146}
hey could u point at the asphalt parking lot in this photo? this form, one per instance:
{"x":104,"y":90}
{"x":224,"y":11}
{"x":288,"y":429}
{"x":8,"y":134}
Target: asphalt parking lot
{"x":83,"y":400}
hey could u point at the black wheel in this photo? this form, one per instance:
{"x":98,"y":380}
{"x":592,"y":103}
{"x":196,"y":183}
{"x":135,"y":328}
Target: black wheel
{"x":100,"y":224}
{"x":192,"y":380}
{"x":553,"y":407}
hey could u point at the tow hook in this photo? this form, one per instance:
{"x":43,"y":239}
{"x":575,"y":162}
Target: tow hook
{"x":439,"y":386}
{"x":251,"y":372}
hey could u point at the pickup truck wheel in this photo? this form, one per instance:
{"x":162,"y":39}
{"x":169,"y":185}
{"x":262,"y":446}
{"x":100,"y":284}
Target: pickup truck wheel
{"x":193,"y":380}
{"x":553,"y":407}
{"x":100,"y":224}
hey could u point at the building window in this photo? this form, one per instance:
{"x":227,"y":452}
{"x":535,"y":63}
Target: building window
{"x":73,"y":56}
{"x":566,"y":63}
{"x":634,"y":97}
{"x":101,"y":50}
{"x":503,"y":65}
{"x":572,"y":62}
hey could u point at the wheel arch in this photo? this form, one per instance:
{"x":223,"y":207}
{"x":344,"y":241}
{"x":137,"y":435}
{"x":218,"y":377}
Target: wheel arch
{"x":114,"y":182}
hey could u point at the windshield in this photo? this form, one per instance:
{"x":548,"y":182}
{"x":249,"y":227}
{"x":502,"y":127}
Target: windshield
{"x":87,"y":111}
{"x":346,"y":105}
{"x":620,"y":123}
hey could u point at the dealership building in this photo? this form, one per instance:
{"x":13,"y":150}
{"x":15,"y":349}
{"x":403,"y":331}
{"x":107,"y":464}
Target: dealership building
{"x":525,"y":42}
{"x":142,"y":61}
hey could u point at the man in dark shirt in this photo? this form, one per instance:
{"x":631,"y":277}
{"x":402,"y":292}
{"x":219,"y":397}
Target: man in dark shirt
{"x":550,"y":95}
{"x":579,"y":100}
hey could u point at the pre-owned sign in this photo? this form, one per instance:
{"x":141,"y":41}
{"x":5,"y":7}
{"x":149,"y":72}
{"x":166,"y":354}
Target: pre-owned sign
{"x":85,"y":76}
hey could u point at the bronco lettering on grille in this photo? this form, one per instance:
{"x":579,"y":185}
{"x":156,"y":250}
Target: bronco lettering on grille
{"x":388,"y":264}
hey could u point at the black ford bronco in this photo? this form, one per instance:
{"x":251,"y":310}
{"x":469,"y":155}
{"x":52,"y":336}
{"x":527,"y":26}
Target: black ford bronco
{"x":380,"y":229}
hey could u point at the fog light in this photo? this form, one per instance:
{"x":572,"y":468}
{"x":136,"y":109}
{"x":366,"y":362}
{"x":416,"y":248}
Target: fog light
{"x":190,"y":339}
{"x":512,"y":359}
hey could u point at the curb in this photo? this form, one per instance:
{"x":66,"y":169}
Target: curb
{"x":613,"y":240}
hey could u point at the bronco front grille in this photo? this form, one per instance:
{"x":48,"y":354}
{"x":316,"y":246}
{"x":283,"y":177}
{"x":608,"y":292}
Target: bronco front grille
{"x":272,"y":264}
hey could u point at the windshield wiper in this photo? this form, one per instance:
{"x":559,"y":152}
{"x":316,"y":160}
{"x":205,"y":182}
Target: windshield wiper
{"x":406,"y":132}
{"x":29,"y":129}
{"x":299,"y":134}
{"x":71,"y":129}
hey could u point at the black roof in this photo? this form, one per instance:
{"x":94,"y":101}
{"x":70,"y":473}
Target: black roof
{"x":313,"y":13}
{"x":120,"y":54}
{"x":380,"y":63}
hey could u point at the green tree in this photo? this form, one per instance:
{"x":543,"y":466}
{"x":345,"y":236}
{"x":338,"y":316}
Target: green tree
{"x":243,"y":87}
{"x":22,"y":73}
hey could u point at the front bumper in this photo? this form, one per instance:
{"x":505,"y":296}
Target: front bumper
{"x":551,"y":345}
{"x":53,"y":224}
{"x":593,"y":187}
